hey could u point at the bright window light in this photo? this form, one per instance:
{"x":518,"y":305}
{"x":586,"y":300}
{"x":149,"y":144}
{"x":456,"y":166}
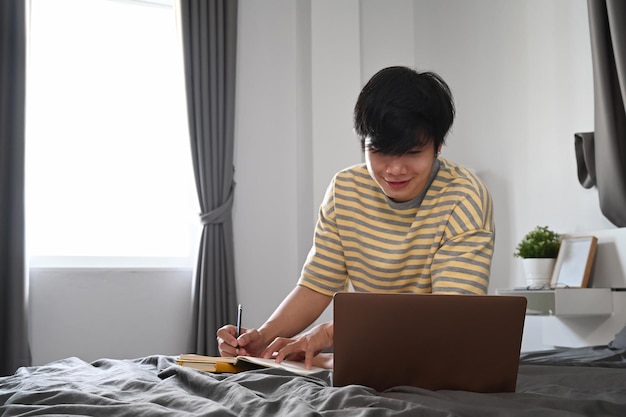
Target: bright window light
{"x":109,"y":176}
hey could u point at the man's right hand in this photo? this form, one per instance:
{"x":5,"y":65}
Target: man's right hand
{"x":296,"y":312}
{"x":249,"y":343}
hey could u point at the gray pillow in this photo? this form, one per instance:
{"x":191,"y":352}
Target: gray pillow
{"x":620,"y":340}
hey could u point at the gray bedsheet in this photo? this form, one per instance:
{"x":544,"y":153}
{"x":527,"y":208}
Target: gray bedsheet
{"x":156,"y":386}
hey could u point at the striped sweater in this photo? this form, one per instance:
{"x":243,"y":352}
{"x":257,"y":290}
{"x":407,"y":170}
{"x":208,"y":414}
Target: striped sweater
{"x":442,"y":241}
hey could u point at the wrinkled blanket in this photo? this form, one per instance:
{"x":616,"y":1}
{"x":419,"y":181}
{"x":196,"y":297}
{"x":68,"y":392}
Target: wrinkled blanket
{"x":156,"y":386}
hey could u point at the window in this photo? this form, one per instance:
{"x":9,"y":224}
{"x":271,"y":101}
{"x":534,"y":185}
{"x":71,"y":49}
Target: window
{"x":109,"y":180}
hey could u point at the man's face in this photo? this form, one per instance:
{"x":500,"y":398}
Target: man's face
{"x":401,"y":177}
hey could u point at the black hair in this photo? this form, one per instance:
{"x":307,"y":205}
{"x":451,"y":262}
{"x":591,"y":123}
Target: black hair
{"x":400,"y":109}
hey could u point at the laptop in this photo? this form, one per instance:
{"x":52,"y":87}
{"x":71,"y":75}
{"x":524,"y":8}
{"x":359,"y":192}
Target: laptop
{"x":432,"y":341}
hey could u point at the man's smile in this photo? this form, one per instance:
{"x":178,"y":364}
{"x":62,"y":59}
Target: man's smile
{"x":397,"y":184}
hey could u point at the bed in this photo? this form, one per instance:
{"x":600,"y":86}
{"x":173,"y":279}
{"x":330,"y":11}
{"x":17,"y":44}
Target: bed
{"x":587,"y":381}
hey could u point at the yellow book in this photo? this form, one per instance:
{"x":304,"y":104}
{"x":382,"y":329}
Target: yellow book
{"x":240,"y":363}
{"x":202,"y":363}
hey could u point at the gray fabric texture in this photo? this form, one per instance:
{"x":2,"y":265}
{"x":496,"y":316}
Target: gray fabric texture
{"x":14,"y":350}
{"x":607,"y":24}
{"x":620,"y":340}
{"x":156,"y":386}
{"x":585,"y":159}
{"x":209,"y":29}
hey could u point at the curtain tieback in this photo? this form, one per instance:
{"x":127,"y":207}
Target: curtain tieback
{"x":585,"y":158}
{"x":219,"y":214}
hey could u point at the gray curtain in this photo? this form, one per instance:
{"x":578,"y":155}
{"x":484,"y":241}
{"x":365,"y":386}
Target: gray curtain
{"x":601,"y":155}
{"x":209,"y":29}
{"x":14,"y":349}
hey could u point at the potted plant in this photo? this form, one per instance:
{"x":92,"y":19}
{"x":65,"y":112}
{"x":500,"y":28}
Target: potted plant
{"x":539,"y":250}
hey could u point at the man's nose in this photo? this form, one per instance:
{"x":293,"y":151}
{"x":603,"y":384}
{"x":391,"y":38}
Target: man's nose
{"x":396,"y":166}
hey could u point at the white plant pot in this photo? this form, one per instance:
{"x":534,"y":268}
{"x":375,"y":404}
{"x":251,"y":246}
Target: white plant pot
{"x":538,"y":271}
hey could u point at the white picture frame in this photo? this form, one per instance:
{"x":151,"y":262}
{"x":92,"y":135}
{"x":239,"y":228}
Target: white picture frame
{"x":574,"y":262}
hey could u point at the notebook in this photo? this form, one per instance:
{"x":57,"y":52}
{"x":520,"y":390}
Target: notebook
{"x":432,"y":341}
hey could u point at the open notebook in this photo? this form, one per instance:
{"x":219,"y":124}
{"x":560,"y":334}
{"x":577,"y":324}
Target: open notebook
{"x":240,"y":363}
{"x":459,"y":342}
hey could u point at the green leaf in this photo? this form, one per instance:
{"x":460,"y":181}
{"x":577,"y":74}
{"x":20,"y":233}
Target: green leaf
{"x":541,"y":242}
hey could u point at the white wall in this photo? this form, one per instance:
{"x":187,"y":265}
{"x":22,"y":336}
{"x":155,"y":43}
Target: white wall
{"x":295,"y":95}
{"x":521,"y":75}
{"x":105,"y":313}
{"x":268,"y":160}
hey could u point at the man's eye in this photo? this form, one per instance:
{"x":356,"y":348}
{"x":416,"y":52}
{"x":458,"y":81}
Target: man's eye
{"x":414,"y":152}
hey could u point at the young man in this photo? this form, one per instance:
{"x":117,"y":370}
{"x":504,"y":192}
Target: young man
{"x":405,"y":221}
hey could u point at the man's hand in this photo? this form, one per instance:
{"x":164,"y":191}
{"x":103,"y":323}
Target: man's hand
{"x":306,"y":346}
{"x":249,"y":343}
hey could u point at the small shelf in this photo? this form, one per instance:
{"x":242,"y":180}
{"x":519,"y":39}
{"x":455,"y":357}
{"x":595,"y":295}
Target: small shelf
{"x":565,"y":302}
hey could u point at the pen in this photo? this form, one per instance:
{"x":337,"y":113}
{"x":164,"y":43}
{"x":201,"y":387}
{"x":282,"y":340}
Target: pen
{"x":239,"y":311}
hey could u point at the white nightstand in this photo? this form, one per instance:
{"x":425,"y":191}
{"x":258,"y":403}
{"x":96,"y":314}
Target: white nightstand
{"x":571,"y":317}
{"x":566,"y":302}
